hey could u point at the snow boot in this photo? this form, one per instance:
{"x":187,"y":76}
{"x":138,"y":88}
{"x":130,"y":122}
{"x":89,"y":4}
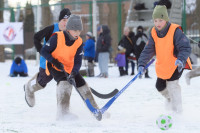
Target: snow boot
{"x":87,"y":94}
{"x":191,"y":74}
{"x":175,"y":95}
{"x":147,"y":74}
{"x":165,"y":93}
{"x":64,"y":89}
{"x":121,"y":71}
{"x":30,"y":88}
{"x":90,"y":69}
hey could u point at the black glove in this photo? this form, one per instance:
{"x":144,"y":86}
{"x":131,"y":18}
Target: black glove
{"x":71,"y":78}
{"x":58,"y":64}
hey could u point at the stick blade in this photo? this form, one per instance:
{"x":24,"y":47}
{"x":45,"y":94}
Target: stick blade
{"x":104,"y":96}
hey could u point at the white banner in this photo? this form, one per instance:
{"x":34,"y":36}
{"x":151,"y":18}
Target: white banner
{"x":11,"y":33}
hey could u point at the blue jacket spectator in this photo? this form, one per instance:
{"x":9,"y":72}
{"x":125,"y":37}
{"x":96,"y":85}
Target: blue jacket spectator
{"x":18,"y":67}
{"x":89,"y":53}
{"x":89,"y":48}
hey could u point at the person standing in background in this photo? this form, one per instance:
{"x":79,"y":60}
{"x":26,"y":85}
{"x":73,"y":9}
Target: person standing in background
{"x":128,"y":43}
{"x":103,"y":47}
{"x":89,"y":53}
{"x":121,"y":60}
{"x":140,"y":42}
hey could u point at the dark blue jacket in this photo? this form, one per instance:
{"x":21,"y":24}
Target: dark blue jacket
{"x":51,"y":46}
{"x":18,"y":68}
{"x":89,"y":48}
{"x":182,"y":48}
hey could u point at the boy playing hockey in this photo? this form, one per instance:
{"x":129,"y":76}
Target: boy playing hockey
{"x":172,"y":49}
{"x":64,"y":55}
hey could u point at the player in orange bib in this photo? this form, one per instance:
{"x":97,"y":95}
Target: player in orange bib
{"x":63,"y":53}
{"x":172,"y":49}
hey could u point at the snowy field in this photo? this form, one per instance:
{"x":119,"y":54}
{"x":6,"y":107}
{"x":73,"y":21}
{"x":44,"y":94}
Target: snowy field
{"x":135,"y":111}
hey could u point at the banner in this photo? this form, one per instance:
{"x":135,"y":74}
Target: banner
{"x":11,"y":33}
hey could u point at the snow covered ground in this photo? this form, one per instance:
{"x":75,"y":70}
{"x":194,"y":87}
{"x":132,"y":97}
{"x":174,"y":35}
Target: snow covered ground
{"x":135,"y":111}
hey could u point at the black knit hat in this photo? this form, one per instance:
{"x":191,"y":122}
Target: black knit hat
{"x":18,"y":60}
{"x":65,"y":13}
{"x":140,"y":27}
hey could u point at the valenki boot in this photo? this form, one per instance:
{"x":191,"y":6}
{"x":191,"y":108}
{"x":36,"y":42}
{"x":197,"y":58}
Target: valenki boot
{"x":64,"y":89}
{"x":30,"y":88}
{"x":175,"y":95}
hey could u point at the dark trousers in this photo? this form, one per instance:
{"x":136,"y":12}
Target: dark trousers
{"x":121,"y":71}
{"x":60,"y":76}
{"x":161,"y":83}
{"x":132,"y":66}
{"x":43,"y":78}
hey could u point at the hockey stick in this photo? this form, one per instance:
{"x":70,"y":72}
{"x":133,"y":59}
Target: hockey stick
{"x":98,"y":116}
{"x":104,"y":96}
{"x":109,"y":103}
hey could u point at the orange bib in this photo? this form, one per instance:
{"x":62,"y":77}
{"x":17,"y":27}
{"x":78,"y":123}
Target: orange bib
{"x":65,"y":54}
{"x":164,"y":47}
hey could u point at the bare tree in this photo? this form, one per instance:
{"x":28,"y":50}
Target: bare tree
{"x":47,"y":17}
{"x":113,"y":25}
{"x":2,"y":59}
{"x":28,"y":26}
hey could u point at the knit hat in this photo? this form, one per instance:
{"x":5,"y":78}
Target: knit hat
{"x":140,"y":27}
{"x":89,"y":34}
{"x":160,"y":11}
{"x":65,"y":13}
{"x":74,"y":23}
{"x":18,"y":60}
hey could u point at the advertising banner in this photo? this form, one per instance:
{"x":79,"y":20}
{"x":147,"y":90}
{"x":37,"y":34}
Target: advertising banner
{"x":11,"y":33}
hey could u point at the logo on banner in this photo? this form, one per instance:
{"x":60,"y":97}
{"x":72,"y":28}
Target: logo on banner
{"x":9,"y":33}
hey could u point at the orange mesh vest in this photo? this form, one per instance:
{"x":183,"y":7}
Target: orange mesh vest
{"x":65,"y":54}
{"x":165,"y":62}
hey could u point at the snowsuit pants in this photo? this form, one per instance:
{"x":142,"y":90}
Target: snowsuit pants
{"x":161,"y":83}
{"x":60,"y":76}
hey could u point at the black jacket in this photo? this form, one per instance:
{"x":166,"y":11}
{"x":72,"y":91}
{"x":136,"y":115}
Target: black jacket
{"x":104,"y":40}
{"x":128,"y":43}
{"x":40,"y":35}
{"x":140,"y":42}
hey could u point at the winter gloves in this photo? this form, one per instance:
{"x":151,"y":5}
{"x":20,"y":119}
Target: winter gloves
{"x":179,"y":63}
{"x":58,"y":64}
{"x":141,"y":71}
{"x":71,"y":78}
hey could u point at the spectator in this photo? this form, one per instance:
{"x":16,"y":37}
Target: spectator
{"x":128,"y":43}
{"x":103,"y":47}
{"x":89,"y":53}
{"x":141,"y":40}
{"x":98,"y":33}
{"x":121,"y":60}
{"x":18,"y":67}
